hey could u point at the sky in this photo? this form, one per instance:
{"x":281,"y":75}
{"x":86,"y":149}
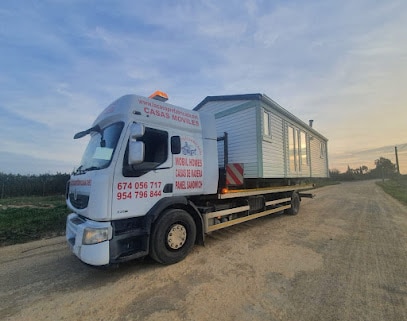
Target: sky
{"x":341,"y":63}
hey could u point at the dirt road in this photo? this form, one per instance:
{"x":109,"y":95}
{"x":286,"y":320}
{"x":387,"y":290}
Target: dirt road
{"x":344,"y":257}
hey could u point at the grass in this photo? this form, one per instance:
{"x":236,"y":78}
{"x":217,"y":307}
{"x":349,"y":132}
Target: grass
{"x":24,"y":219}
{"x":397,"y":188}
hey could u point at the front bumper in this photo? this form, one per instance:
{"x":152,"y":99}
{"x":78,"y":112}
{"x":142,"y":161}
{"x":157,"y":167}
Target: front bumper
{"x":93,"y":254}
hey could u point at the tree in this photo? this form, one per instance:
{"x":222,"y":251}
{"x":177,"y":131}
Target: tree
{"x":384,"y":168}
{"x":364,"y":169}
{"x":334,"y":173}
{"x":358,"y":173}
{"x":12,"y":185}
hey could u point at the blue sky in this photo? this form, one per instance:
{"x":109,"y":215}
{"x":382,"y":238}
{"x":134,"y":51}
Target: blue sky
{"x":341,"y":63}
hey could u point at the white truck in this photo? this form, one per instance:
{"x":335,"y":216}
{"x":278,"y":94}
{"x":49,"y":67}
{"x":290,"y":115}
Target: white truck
{"x":155,"y":178}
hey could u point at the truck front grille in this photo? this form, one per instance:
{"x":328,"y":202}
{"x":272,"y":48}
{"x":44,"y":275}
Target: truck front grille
{"x":80,"y":201}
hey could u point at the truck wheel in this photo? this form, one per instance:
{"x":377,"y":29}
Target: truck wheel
{"x":173,"y":236}
{"x":295,"y":204}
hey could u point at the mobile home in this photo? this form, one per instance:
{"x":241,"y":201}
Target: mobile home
{"x":267,"y":139}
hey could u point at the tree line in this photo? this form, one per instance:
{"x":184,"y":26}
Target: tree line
{"x":12,"y":185}
{"x":384,"y":168}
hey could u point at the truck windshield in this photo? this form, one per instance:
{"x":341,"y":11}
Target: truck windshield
{"x":100,"y":149}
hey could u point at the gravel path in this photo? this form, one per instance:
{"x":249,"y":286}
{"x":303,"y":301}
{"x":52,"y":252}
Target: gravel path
{"x":344,"y":257}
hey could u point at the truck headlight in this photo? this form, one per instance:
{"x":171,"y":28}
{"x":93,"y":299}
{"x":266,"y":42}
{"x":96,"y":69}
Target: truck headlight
{"x":95,"y":235}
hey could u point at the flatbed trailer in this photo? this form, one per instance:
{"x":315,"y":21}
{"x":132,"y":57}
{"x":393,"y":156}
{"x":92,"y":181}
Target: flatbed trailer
{"x":288,"y":201}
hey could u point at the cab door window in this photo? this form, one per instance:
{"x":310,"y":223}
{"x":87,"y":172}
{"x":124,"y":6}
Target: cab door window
{"x":155,"y":153}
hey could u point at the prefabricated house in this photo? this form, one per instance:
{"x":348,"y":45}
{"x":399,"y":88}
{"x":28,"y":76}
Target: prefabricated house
{"x":268,"y":140}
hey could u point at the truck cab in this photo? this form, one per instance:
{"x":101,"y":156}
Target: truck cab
{"x":144,"y":159}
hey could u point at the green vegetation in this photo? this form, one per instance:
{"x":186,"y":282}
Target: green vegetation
{"x":25,"y":219}
{"x":31,"y":207}
{"x":384,"y":169}
{"x":391,"y":181}
{"x":12,"y":185}
{"x":396,"y":187}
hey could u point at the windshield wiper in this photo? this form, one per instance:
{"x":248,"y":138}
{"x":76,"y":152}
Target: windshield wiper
{"x":79,"y":171}
{"x":87,"y":132}
{"x":92,"y":168}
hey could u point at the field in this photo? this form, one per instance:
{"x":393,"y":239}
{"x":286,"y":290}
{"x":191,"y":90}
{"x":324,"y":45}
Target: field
{"x":397,"y":188}
{"x":25,"y":219}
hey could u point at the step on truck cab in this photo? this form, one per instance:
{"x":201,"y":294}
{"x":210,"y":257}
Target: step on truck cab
{"x":148,"y":184}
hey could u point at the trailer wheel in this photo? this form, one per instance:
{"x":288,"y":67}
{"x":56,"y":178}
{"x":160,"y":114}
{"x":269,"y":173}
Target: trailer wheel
{"x":173,"y":236}
{"x":295,"y":204}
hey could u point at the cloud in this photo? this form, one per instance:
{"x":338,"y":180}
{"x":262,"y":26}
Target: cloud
{"x":342,"y":64}
{"x":280,"y":26}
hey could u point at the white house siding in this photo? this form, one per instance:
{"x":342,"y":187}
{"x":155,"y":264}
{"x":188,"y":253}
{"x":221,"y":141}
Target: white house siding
{"x":273,"y":149}
{"x":242,"y":139}
{"x":319,"y":167}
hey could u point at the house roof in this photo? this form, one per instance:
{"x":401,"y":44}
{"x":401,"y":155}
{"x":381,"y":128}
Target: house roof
{"x":228,"y":98}
{"x":263,"y":98}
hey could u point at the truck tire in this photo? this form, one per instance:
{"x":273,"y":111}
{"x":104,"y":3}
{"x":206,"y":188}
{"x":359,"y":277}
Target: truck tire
{"x":295,"y":204}
{"x":173,"y":236}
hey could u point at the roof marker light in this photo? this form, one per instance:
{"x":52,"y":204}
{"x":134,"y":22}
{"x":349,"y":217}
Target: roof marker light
{"x":159,"y":95}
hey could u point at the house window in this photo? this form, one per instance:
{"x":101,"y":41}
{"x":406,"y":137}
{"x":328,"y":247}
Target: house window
{"x":297,"y":149}
{"x":303,"y":148}
{"x":322,"y":149}
{"x":266,"y":124}
{"x":292,"y":143}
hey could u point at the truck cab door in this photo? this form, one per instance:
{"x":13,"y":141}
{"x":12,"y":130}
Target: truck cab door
{"x":144,"y":171}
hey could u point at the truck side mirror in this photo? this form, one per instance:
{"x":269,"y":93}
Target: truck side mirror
{"x":136,"y":148}
{"x":137,"y":131}
{"x":175,"y":145}
{"x":136,"y":152}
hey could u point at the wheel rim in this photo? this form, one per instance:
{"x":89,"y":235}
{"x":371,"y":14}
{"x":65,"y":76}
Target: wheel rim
{"x":177,"y":236}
